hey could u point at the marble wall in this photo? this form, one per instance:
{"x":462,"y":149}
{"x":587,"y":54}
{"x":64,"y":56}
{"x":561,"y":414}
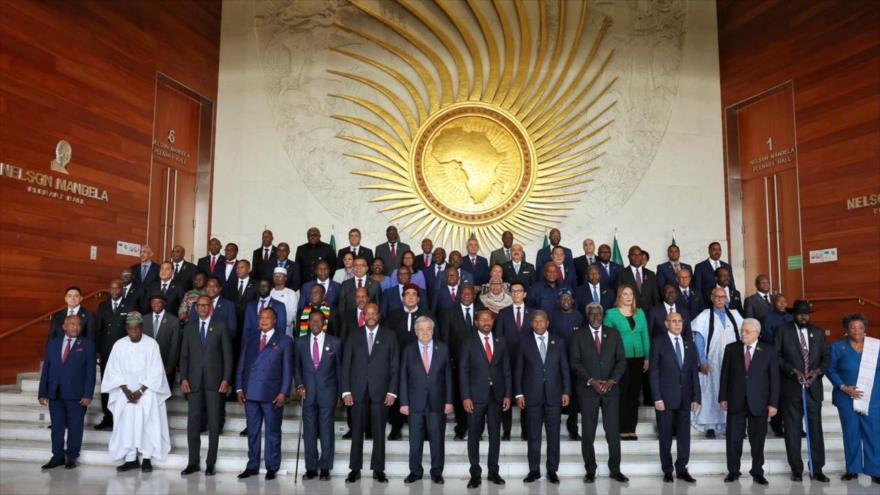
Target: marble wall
{"x":279,"y":164}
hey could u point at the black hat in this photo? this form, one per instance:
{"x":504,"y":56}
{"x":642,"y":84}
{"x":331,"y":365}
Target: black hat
{"x":802,"y":306}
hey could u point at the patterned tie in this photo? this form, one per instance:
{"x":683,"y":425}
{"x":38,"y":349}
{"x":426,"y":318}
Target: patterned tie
{"x":543,"y":349}
{"x":263,"y":341}
{"x":676,"y":267}
{"x":426,"y":361}
{"x":519,"y":319}
{"x":805,"y":352}
{"x":67,"y":350}
{"x":748,"y":357}
{"x":316,"y":354}
{"x":488,"y":349}
{"x":679,"y":357}
{"x":203,"y":335}
{"x":597,"y":341}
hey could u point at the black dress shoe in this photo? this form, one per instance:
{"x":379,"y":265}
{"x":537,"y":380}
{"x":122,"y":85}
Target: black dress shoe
{"x":203,"y":429}
{"x":819,"y":476}
{"x":209,"y":471}
{"x":797,"y":477}
{"x":53,"y":463}
{"x":474,"y":482}
{"x":730,"y":478}
{"x":574,"y":436}
{"x":346,"y":435}
{"x":128,"y":466}
{"x":411,"y":478}
{"x":710,"y":434}
{"x":353,"y":476}
{"x":438,"y":479}
{"x":147,"y":466}
{"x":875,"y":480}
{"x":70,"y":464}
{"x":459,"y":437}
{"x":685,"y":476}
{"x":495,"y":479}
{"x":590,"y":478}
{"x":270,"y":475}
{"x":667,"y":477}
{"x":380,"y":476}
{"x":247,"y":473}
{"x":505,"y":437}
{"x":395,"y":435}
{"x":552,"y":478}
{"x":532,"y":477}
{"x":524,"y":437}
{"x":849,"y":476}
{"x":104,"y":425}
{"x":760,"y":479}
{"x":325,"y":475}
{"x":243,"y":433}
{"x":190,"y":470}
{"x":620,"y":478}
{"x":310,"y":474}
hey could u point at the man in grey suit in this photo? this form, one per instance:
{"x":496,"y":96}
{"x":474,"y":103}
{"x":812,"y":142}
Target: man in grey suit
{"x":206,"y":369}
{"x":164,"y":327}
{"x":346,"y":297}
{"x":759,"y":304}
{"x":502,"y":255}
{"x":390,"y":252}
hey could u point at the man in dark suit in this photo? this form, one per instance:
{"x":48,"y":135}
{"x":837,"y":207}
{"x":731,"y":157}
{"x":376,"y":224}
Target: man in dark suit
{"x":426,"y":397}
{"x":688,"y":298}
{"x":264,"y":377}
{"x":722,"y":280}
{"x":667,"y":271}
{"x":598,"y":362}
{"x":354,"y":318}
{"x":749,"y":392}
{"x":355,"y":248}
{"x":111,"y":327}
{"x":392,"y":298}
{"x":214,"y":262}
{"x":583,"y":262}
{"x":314,"y":250}
{"x":255,"y":308}
{"x":544,"y":295}
{"x":542,"y":386}
{"x":436,"y":271}
{"x":73,"y":298}
{"x":543,"y":255}
{"x":759,"y":304}
{"x":206,"y":368}
{"x":426,"y":258}
{"x":593,"y":291}
{"x":503,"y":254}
{"x":262,"y":254}
{"x":457,"y":326}
{"x":512,"y":324}
{"x":131,"y":293}
{"x":565,"y":271}
{"x":517,"y":269}
{"x":230,"y":260}
{"x":164,"y":327}
{"x":360,"y":279}
{"x":172,"y":291}
{"x":704,"y":271}
{"x":281,"y":260}
{"x":658,"y":314}
{"x":223,"y":309}
{"x":675,"y":388}
{"x":402,"y":321}
{"x":147,"y":270}
{"x":641,"y":279}
{"x":476,"y":264}
{"x":448,"y":294}
{"x":317,"y":364}
{"x":369,"y":386}
{"x":67,"y":384}
{"x":240,"y":290}
{"x":607,"y":268}
{"x":390,"y":252}
{"x":804,"y":358}
{"x":322,"y":277}
{"x":184,"y":271}
{"x":485,"y":380}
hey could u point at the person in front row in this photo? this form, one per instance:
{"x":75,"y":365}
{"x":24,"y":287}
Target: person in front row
{"x":749,"y":392}
{"x":542,"y":386}
{"x":67,"y":385}
{"x":675,"y":386}
{"x":426,"y":397}
{"x":264,"y":375}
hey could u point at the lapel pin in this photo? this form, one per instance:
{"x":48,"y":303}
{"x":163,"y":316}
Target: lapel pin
{"x":327,"y":348}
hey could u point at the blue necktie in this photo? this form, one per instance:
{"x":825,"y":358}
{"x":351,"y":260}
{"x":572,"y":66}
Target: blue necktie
{"x":595,"y":294}
{"x":678,"y":356}
{"x":203,"y":335}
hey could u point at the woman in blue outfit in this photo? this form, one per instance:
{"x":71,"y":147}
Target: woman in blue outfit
{"x":861,"y":432}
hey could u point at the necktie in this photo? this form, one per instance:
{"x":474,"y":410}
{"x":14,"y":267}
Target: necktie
{"x":589,"y":260}
{"x":70,"y":312}
{"x":597,"y":341}
{"x":370,"y":343}
{"x":467,"y":317}
{"x":409,"y":321}
{"x":452,"y":293}
{"x":561,"y":273}
{"x":213,"y":262}
{"x":687,"y":295}
{"x":263,"y":342}
{"x":519,"y":319}
{"x":748,"y":357}
{"x":488,"y":350}
{"x":426,"y":361}
{"x":767,"y":298}
{"x":394,"y":253}
{"x":144,"y":268}
{"x":67,"y":350}
{"x":805,"y":352}
{"x":354,"y":252}
{"x":203,"y":335}
{"x":240,"y":288}
{"x":639,"y":278}
{"x":360,"y":283}
{"x":262,"y":306}
{"x":595,"y":294}
{"x":265,"y":254}
{"x":427,"y":261}
{"x":316,"y":353}
{"x":506,"y":253}
{"x":360,"y":318}
{"x":164,"y":287}
{"x":176,"y":268}
{"x":679,"y":357}
{"x":156,"y":323}
{"x":543,"y":349}
{"x":675,"y":267}
{"x":115,"y":306}
{"x":516,"y":268}
{"x":670,"y":309}
{"x":473,"y":262}
{"x":280,"y":264}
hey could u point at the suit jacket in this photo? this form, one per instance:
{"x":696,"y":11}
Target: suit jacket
{"x":168,"y":338}
{"x":252,"y":318}
{"x":610,"y":364}
{"x":376,"y":373}
{"x":498,"y":257}
{"x":542,"y":383}
{"x":257,"y":268}
{"x":348,"y":289}
{"x":649,"y":295}
{"x":608,"y":276}
{"x":693,"y":302}
{"x":431,"y":278}
{"x":419,"y":265}
{"x":152,"y":274}
{"x":753,"y":390}
{"x":184,"y":276}
{"x":542,"y":296}
{"x":203,"y":265}
{"x":307,"y":256}
{"x":571,"y":279}
{"x":666,"y":273}
{"x":173,"y":296}
{"x":110,"y":327}
{"x":526,"y":274}
{"x":480,"y":270}
{"x":543,"y":256}
{"x":505,"y":327}
{"x":293,"y":272}
{"x":331,"y":295}
{"x":581,"y":263}
{"x":224,"y":310}
{"x":250,"y":293}
{"x":73,"y":379}
{"x":391,"y":301}
{"x":262,"y":375}
{"x":757,"y":307}
{"x":135,"y":295}
{"x":704,"y":276}
{"x":425,"y":392}
{"x":89,"y":324}
{"x":583,"y":295}
{"x":676,"y":387}
{"x":206,"y":368}
{"x":454,"y":329}
{"x":788,"y":348}
{"x":480,"y":380}
{"x":383,"y":252}
{"x":363,"y":252}
{"x":397,"y":321}
{"x":657,"y":320}
{"x":322,"y":384}
{"x":443,"y":299}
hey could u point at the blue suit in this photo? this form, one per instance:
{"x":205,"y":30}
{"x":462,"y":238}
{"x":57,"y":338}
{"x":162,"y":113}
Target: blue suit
{"x":331,"y":295}
{"x":252,"y":319}
{"x":443,"y":299}
{"x":224,"y":310}
{"x":391,"y":301}
{"x":431,"y":278}
{"x":65,"y":384}
{"x":666,"y":273}
{"x":480,"y":270}
{"x":861,"y":434}
{"x":608,"y":276}
{"x":542,"y":296}
{"x":583,"y":295}
{"x":543,"y":256}
{"x":322,"y":392}
{"x":262,"y":375}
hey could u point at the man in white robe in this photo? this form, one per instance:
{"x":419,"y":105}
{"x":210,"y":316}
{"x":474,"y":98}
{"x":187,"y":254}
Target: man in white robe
{"x":135,"y":380}
{"x":286,"y":296}
{"x":713,"y":329}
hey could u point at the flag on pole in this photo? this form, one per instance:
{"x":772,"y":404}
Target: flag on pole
{"x":673,"y":237}
{"x":615,"y":256}
{"x":333,"y":239}
{"x":546,"y":240}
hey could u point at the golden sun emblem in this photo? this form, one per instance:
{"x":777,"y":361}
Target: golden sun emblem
{"x":464,"y":149}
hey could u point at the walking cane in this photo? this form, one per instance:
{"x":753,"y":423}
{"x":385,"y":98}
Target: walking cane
{"x":807,"y":429}
{"x":298,"y":442}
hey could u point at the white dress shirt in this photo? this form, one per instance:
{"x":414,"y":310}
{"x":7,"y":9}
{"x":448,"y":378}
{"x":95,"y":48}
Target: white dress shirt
{"x":320,"y":337}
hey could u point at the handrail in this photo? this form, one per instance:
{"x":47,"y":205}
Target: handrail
{"x":861,"y":300}
{"x":48,"y":316}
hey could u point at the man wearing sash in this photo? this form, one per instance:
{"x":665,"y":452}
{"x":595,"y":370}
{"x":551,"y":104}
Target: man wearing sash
{"x":713,"y":329}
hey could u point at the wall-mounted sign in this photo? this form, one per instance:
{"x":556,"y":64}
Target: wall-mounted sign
{"x":169,"y":151}
{"x":53,"y":187}
{"x":867,"y":201}
{"x":795,"y":262}
{"x":823,"y":255}
{"x":128,"y":248}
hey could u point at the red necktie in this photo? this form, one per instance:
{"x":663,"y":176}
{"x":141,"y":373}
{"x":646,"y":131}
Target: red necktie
{"x":427,"y":261}
{"x":639,"y":278}
{"x":519,"y":318}
{"x":598,"y":342}
{"x":561,"y":273}
{"x":394,"y":253}
{"x":426,"y":361}
{"x":263,"y":342}
{"x":360,"y":318}
{"x":213,"y":263}
{"x":452,"y":294}
{"x":360,"y":283}
{"x":266,"y":254}
{"x":748,"y":357}
{"x":488,"y":350}
{"x":67,"y":350}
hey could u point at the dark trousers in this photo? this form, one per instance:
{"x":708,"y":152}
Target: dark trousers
{"x":105,"y":398}
{"x":484,"y":413}
{"x":66,"y":416}
{"x":574,"y":407}
{"x":507,"y":421}
{"x":793,"y":417}
{"x":548,"y":417}
{"x":461,"y":417}
{"x":735,"y":432}
{"x":630,"y":388}
{"x":257,"y":413}
{"x":675,"y":422}
{"x":590,"y":404}
{"x":396,"y":419}
{"x":435,"y":425}
{"x":362,"y":412}
{"x":317,"y":421}
{"x":211,"y":404}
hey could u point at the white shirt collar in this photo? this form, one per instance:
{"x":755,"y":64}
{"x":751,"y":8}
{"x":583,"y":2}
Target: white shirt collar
{"x":268,"y":334}
{"x":483,"y":340}
{"x":206,"y":321}
{"x":160,"y":315}
{"x":538,"y":338}
{"x":672,"y":338}
{"x":75,"y":310}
